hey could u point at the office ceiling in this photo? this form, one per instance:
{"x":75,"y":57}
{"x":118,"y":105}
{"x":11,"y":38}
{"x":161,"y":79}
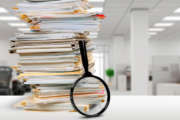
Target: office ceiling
{"x":118,"y":17}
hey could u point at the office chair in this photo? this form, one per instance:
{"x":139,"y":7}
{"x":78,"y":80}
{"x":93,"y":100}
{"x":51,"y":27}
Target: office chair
{"x":5,"y":79}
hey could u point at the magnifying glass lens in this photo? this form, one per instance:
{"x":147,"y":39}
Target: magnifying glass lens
{"x":90,"y":96}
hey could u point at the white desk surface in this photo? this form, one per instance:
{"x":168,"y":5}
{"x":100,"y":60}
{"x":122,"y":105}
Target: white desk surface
{"x":121,"y":108}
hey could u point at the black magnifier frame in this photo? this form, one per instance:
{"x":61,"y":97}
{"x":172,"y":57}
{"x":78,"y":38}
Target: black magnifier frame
{"x":83,"y":51}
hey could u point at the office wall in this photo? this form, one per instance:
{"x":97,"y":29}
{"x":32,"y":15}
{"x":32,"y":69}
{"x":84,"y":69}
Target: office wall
{"x":165,"y":47}
{"x":5,"y":57}
{"x":156,"y":47}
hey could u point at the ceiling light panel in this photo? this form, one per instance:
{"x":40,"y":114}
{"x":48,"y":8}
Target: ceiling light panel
{"x":156,"y":29}
{"x":163,"y":24}
{"x":172,"y":18}
{"x":17,"y":24}
{"x":152,"y":33}
{"x":3,"y":10}
{"x":8,"y":18}
{"x":177,"y":10}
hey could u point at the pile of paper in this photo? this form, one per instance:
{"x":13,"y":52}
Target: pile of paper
{"x":49,"y":56}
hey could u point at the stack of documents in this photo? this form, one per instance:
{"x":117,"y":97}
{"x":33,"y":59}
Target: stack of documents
{"x":49,"y":56}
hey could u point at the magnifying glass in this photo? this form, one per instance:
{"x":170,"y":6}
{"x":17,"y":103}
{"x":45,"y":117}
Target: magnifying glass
{"x":90,"y":95}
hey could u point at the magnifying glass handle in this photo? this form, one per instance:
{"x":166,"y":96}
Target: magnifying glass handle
{"x":83,"y":51}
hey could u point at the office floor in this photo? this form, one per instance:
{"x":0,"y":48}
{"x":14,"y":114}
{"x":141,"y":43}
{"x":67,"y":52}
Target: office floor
{"x":121,"y":108}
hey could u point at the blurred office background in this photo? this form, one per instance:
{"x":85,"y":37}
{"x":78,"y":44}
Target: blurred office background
{"x":139,"y":40}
